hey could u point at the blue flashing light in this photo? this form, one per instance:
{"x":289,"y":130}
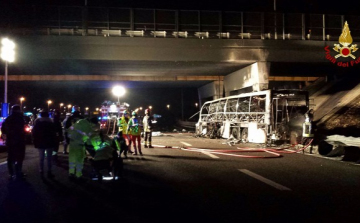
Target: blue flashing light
{"x":28,"y":113}
{"x":5,"y":110}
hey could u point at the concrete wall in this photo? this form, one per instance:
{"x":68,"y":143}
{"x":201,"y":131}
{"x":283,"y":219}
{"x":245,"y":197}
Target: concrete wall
{"x":256,"y":76}
{"x":213,"y":90}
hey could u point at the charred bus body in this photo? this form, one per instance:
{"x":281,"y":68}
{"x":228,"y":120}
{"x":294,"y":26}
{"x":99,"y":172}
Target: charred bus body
{"x":256,"y":117}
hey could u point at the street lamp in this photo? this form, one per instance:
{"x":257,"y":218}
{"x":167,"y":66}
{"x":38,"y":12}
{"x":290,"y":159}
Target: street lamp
{"x":196,"y":105}
{"x":61,"y":104}
{"x":8,"y":55}
{"x":168,"y":106}
{"x":21,"y":100}
{"x":150,"y":107}
{"x":49,"y":102}
{"x":118,"y":91}
{"x":69,"y":106}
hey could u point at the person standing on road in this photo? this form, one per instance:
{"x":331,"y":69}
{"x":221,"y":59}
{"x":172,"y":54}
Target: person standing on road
{"x":74,"y":117}
{"x":59,"y":134}
{"x":79,"y":134}
{"x":45,"y":139}
{"x":120,"y":143}
{"x":147,"y":124}
{"x":123,"y":124}
{"x":134,"y":129}
{"x":13,"y":132}
{"x":66,"y":141}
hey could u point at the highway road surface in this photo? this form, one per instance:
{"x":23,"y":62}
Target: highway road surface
{"x":188,"y":179}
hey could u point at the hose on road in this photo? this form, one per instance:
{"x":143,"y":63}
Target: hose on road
{"x":274,"y":153}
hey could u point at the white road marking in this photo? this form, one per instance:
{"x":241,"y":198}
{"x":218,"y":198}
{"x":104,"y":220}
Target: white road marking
{"x":264,"y":180}
{"x":186,"y":144}
{"x":211,"y":155}
{"x":271,"y":152}
{"x":3,"y":163}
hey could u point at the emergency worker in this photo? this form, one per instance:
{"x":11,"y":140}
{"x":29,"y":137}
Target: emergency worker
{"x":74,"y":117}
{"x":134,"y":130}
{"x":308,"y":130}
{"x":105,"y":156}
{"x":120,"y":143}
{"x":13,"y":132}
{"x":79,"y":133}
{"x":147,"y":124}
{"x":123,"y":124}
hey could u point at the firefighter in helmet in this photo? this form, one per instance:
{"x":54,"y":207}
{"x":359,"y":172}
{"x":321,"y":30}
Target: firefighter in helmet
{"x":147,"y":124}
{"x":134,"y":130}
{"x":123,"y":124}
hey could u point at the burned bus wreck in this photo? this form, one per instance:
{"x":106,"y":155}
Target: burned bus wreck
{"x":256,"y":117}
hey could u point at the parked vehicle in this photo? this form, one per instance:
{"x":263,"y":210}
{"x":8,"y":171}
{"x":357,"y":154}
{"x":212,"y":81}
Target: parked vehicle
{"x":28,"y":129}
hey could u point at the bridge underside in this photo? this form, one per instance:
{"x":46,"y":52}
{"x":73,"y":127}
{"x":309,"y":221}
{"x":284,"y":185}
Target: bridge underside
{"x":77,"y":64}
{"x":153,"y":74}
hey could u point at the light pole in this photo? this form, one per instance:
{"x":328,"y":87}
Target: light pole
{"x":21,"y":100}
{"x":69,"y":107}
{"x":8,"y":55}
{"x":49,"y":102}
{"x":61,"y":104}
{"x":168,"y":106}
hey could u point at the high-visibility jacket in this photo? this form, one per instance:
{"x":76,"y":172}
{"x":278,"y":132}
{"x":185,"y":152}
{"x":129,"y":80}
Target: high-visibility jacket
{"x":134,"y":127}
{"x":80,"y":131}
{"x":102,"y":147}
{"x":123,"y":124}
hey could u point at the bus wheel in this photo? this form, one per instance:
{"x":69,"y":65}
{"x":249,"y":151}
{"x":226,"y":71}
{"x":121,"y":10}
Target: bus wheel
{"x":244,"y":135}
{"x":235,"y":132}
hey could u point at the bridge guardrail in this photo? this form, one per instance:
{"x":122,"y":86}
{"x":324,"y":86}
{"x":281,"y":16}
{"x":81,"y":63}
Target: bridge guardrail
{"x":76,"y":20}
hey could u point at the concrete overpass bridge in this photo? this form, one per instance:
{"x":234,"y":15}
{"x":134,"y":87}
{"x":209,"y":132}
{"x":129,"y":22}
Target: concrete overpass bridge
{"x":220,"y":53}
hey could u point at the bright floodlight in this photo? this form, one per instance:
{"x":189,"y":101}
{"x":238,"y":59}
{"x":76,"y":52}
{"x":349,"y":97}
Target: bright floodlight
{"x":7,"y":50}
{"x":118,"y":91}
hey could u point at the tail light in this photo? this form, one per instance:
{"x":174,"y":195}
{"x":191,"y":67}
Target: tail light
{"x":27,"y":129}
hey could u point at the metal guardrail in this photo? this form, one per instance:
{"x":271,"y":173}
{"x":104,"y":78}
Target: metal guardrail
{"x":75,"y":20}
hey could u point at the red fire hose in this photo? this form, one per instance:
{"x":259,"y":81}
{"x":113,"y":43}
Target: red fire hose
{"x":274,"y":152}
